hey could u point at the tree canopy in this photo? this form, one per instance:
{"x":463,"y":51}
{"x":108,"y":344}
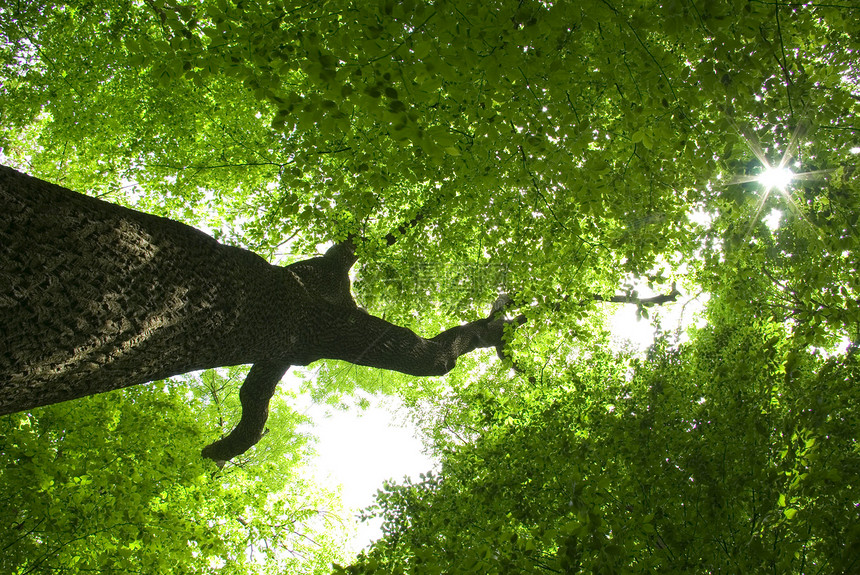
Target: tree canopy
{"x":561,"y":153}
{"x":731,"y":453}
{"x":114,"y":483}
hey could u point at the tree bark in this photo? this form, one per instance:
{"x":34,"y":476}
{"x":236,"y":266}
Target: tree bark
{"x":96,"y":297}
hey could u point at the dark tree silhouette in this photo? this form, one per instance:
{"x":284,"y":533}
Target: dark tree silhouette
{"x":96,"y":297}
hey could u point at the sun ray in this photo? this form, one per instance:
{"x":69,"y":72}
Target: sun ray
{"x":814,"y":174}
{"x":751,"y":139}
{"x":777,"y":176}
{"x":742,"y":179}
{"x":792,"y":149}
{"x":755,"y":218}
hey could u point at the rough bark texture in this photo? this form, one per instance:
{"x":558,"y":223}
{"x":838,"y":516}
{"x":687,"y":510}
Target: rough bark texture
{"x":95,"y":297}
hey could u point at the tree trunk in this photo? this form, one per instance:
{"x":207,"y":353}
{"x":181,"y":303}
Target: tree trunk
{"x":95,"y":297}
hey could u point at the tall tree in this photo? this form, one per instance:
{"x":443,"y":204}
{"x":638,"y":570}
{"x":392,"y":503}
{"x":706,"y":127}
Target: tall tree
{"x":556,"y":150}
{"x":97,"y":297}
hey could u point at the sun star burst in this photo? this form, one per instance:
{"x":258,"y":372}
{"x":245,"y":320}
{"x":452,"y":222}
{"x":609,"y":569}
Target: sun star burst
{"x":776,"y":177}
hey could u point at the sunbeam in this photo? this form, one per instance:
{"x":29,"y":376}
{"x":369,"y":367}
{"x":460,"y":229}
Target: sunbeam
{"x":779,"y":176}
{"x":776,"y":177}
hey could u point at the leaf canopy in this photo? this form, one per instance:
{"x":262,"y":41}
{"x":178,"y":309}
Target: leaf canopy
{"x":558,"y":152}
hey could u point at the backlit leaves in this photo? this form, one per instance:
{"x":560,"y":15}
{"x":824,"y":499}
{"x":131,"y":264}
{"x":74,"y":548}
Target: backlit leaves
{"x":554,"y":151}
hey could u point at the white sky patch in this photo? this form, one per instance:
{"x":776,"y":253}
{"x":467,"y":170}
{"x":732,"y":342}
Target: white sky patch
{"x":358,"y":450}
{"x":701,"y":217}
{"x":626,"y":326}
{"x":772,"y":219}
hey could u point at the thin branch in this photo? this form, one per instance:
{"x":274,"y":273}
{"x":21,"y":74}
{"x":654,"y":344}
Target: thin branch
{"x":647,"y":50}
{"x":216,"y":166}
{"x":808,"y":5}
{"x":23,"y":535}
{"x":537,"y":188}
{"x":784,"y":63}
{"x":47,"y":554}
{"x":402,"y":42}
{"x":645,"y":301}
{"x":401,"y":230}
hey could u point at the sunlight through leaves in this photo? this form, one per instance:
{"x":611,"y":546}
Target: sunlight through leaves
{"x":776,"y":177}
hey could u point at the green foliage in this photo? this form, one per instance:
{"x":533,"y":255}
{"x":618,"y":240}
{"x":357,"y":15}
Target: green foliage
{"x":562,"y":144}
{"x":735,"y":452}
{"x":549,"y":150}
{"x":115,"y":483}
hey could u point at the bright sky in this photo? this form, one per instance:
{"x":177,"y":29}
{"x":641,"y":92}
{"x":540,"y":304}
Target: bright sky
{"x":358,"y":450}
{"x":626,"y":326}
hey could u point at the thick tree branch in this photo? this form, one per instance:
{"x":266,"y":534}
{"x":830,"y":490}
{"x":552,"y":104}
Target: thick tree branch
{"x":364,"y":340}
{"x":254,"y":395}
{"x":367,"y":340}
{"x":642,"y":301}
